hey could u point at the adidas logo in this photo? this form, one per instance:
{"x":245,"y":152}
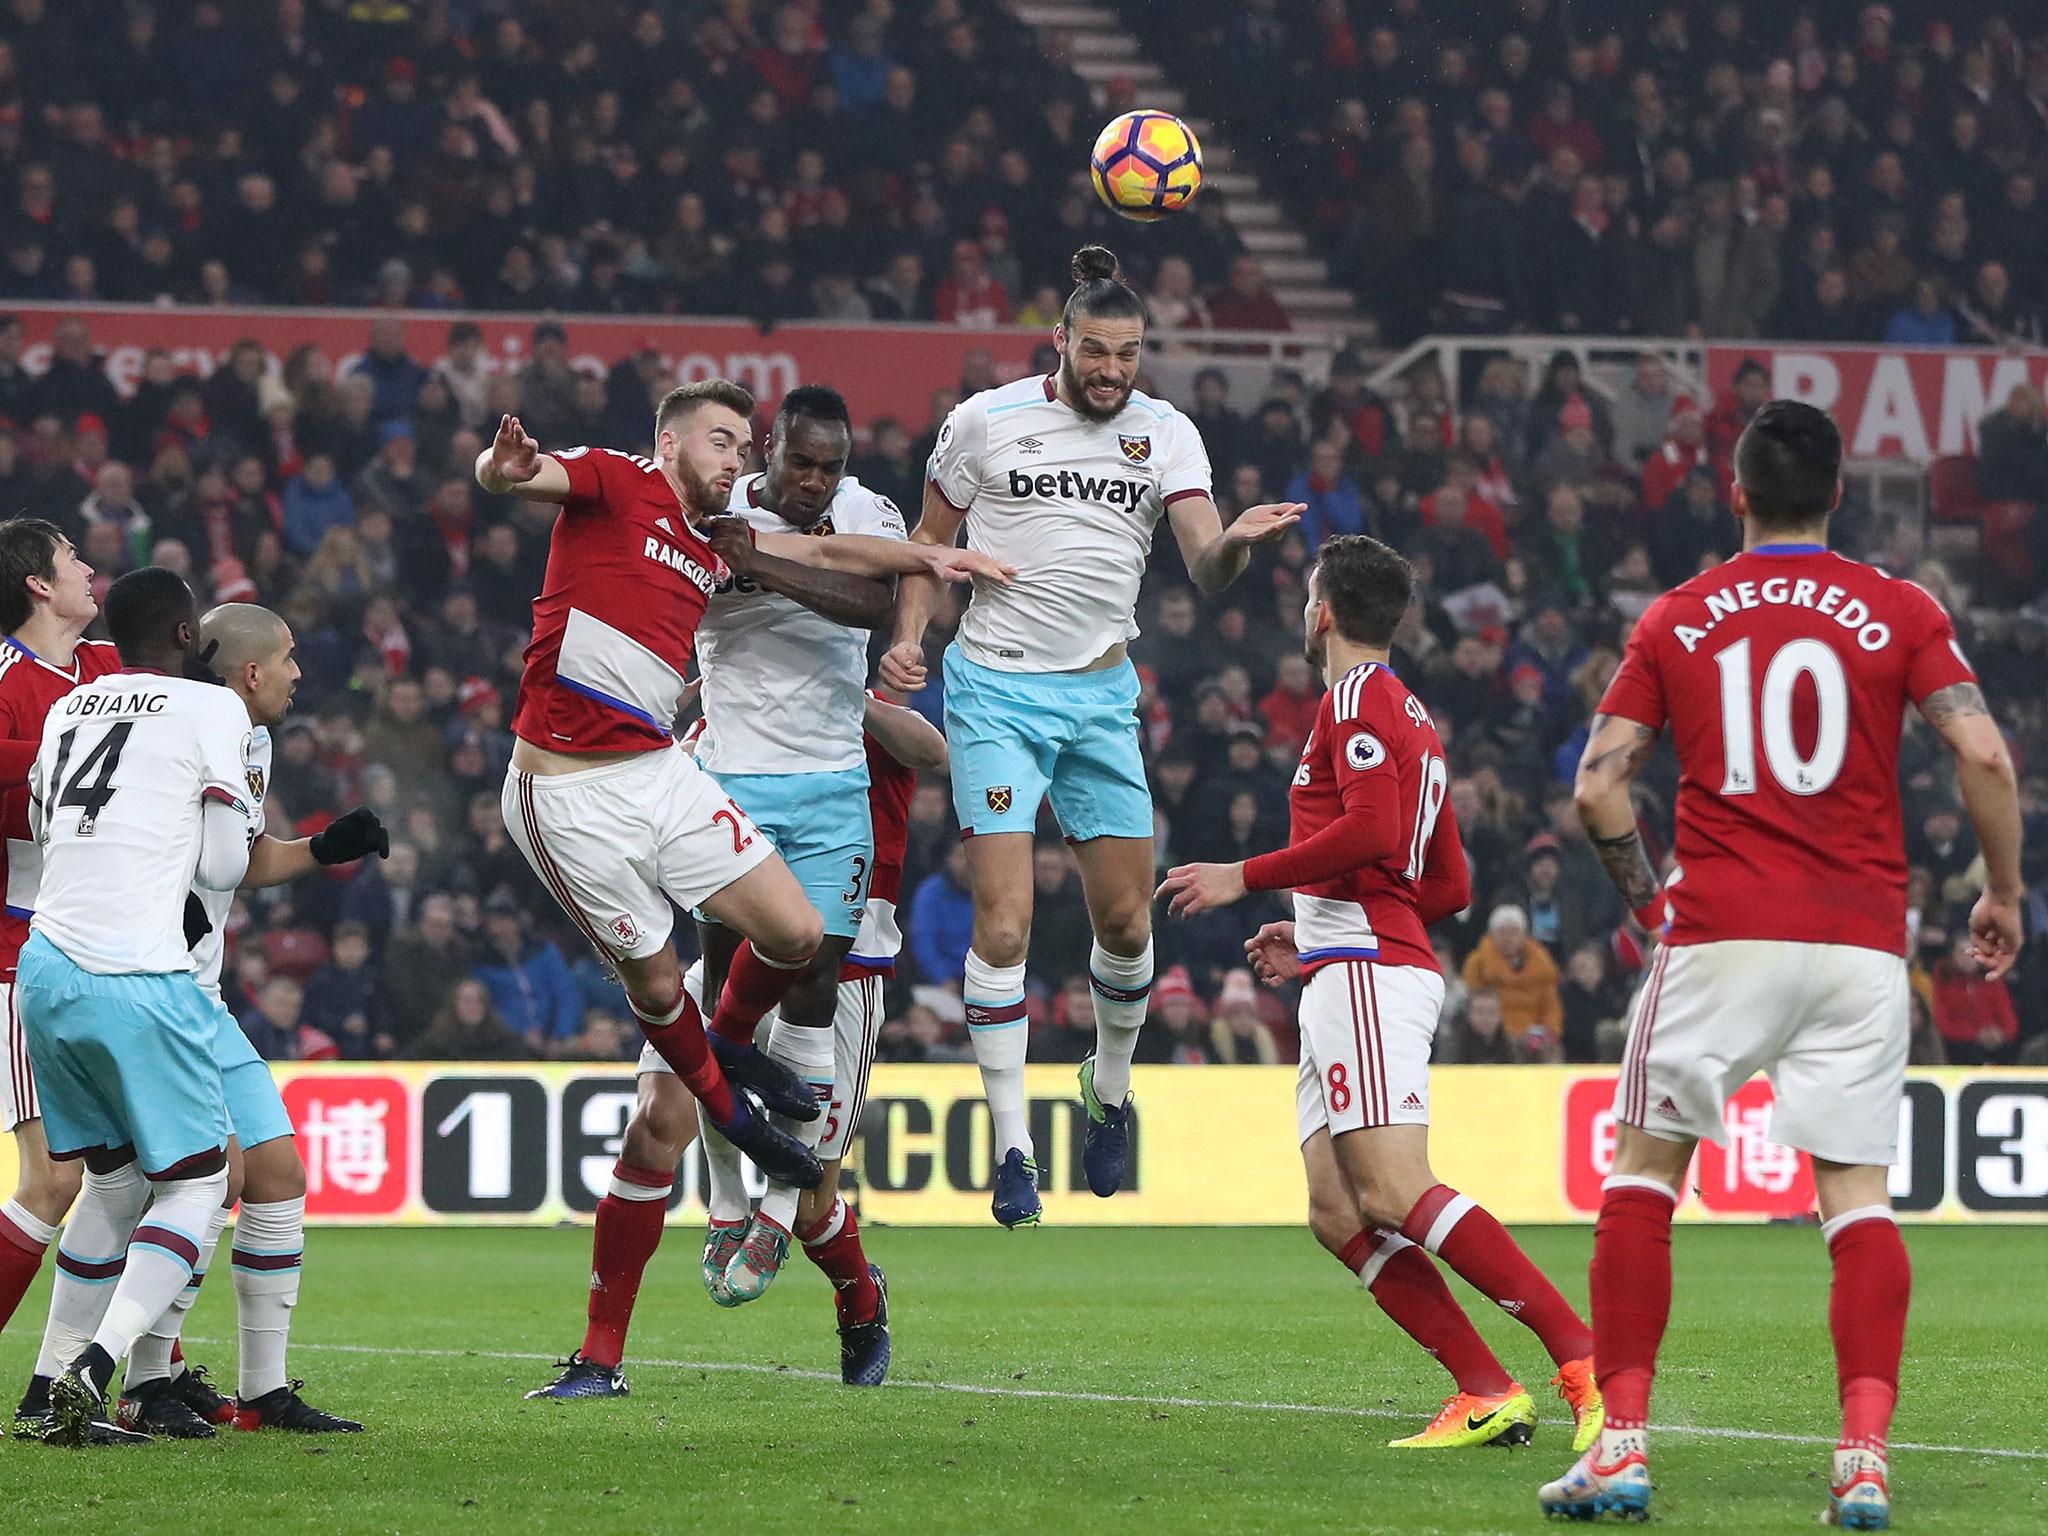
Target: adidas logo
{"x":1666,"y":1108}
{"x":663,"y":524}
{"x":1411,"y":1102}
{"x":1512,"y":1307}
{"x":596,"y":1281}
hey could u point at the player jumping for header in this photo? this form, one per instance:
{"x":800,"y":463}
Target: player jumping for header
{"x":1373,"y":858}
{"x":1065,"y":477}
{"x":610,"y":813}
{"x":1784,"y":675}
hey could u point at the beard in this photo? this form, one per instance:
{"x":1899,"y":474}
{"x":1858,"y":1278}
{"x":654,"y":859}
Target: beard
{"x":1076,"y":392}
{"x":701,"y":491}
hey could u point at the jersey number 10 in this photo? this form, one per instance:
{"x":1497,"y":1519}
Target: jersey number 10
{"x":1807,"y":775}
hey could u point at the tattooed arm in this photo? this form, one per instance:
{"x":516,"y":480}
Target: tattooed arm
{"x":1615,"y":750}
{"x":1984,"y":779}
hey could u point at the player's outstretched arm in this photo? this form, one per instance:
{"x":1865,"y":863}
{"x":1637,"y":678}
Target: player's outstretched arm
{"x":861,"y":602}
{"x":513,"y":465}
{"x":1615,"y":751}
{"x":902,"y":666}
{"x":277,"y":861}
{"x":1990,"y":794}
{"x":1215,"y":555}
{"x":863,"y":554}
{"x":905,"y":735}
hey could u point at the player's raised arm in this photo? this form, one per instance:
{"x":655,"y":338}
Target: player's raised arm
{"x":861,"y":602}
{"x":863,"y":554}
{"x":1615,"y":752}
{"x":1215,"y":555}
{"x":938,"y":525}
{"x":514,"y":465}
{"x":1990,"y":794}
{"x":905,"y":735}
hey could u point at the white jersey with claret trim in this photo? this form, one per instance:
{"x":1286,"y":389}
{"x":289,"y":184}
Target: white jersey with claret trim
{"x":209,"y":952}
{"x":783,"y":686}
{"x":117,"y":795}
{"x":1072,"y":504}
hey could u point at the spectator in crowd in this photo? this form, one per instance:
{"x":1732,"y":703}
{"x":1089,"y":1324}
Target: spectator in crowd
{"x":314,"y":502}
{"x":421,"y":968}
{"x":1335,"y":503}
{"x":532,"y":992}
{"x":1061,"y":938}
{"x":343,"y":1000}
{"x":942,"y":919}
{"x":1974,"y":1014}
{"x":1174,"y":1033}
{"x":1247,"y":304}
{"x":1478,"y":1037}
{"x":1643,"y":411}
{"x":1236,"y":1034}
{"x":273,"y":1024}
{"x":467,"y":1027}
{"x":1594,"y":1004}
{"x":1507,"y":961}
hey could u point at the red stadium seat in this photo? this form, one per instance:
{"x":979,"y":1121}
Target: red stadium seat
{"x":1953,"y":498}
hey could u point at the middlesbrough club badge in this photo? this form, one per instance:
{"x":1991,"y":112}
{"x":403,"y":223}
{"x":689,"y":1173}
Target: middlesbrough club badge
{"x":625,"y":930}
{"x":999,"y":798}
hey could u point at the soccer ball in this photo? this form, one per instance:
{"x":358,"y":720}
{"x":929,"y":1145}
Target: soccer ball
{"x":1146,"y":165}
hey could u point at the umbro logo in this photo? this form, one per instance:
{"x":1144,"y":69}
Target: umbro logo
{"x":1667,"y":1108}
{"x":1028,"y":445}
{"x":1413,"y":1101}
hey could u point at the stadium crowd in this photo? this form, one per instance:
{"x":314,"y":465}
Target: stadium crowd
{"x":1536,"y":536}
{"x":897,"y":161}
{"x":1832,"y":171}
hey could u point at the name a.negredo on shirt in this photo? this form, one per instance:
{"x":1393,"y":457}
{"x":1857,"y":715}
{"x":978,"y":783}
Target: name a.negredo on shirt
{"x":92,"y":706}
{"x":1852,"y":613}
{"x":1069,"y":486}
{"x":676,"y":560}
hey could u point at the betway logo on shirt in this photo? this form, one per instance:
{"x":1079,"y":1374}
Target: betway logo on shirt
{"x":676,"y":560}
{"x":1067,"y":485}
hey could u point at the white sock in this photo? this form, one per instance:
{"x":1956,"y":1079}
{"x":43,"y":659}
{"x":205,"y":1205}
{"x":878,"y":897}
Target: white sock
{"x":161,"y":1255}
{"x":994,"y":995}
{"x":28,"y":1223}
{"x":725,"y":1187}
{"x":150,"y":1360}
{"x":1122,"y":988}
{"x":91,"y":1259}
{"x":807,"y":1052}
{"x":270,"y":1245}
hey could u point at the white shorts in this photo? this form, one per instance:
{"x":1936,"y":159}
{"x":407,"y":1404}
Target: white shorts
{"x":617,"y":844}
{"x":17,"y":1082}
{"x":856,"y":1024}
{"x":1366,"y":1033}
{"x":1828,"y":1022}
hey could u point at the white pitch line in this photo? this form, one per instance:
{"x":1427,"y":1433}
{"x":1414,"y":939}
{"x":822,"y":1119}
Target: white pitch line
{"x":1049,"y":1394}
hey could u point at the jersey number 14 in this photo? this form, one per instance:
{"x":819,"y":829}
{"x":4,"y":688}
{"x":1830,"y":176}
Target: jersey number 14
{"x":90,"y":798}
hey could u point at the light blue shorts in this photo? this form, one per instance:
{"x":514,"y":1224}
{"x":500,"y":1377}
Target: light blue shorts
{"x":1015,"y":736}
{"x":819,"y":823}
{"x":121,"y":1060}
{"x":255,"y":1107}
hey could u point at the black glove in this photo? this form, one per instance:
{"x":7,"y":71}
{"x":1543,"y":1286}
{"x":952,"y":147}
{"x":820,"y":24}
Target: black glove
{"x":354,"y":836}
{"x":197,"y":924}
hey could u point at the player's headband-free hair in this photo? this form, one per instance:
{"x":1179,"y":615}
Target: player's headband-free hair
{"x":1788,"y":462}
{"x":1099,"y":290}
{"x":684,"y":400}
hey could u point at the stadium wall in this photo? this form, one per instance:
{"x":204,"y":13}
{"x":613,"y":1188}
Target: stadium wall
{"x":532,"y":1145}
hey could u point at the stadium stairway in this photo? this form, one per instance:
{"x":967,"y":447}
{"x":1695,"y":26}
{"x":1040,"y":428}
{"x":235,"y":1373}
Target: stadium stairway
{"x":1092,"y":39}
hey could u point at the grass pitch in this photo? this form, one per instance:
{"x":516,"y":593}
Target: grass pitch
{"x":1149,"y":1380}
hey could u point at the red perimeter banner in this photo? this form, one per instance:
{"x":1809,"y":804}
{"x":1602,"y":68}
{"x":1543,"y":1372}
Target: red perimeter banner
{"x":1915,"y":403}
{"x":883,"y":370}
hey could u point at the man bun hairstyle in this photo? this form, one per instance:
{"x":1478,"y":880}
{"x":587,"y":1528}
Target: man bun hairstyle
{"x":1098,"y":290}
{"x":1788,"y":462}
{"x":28,"y":547}
{"x":683,"y":401}
{"x":1366,"y":586}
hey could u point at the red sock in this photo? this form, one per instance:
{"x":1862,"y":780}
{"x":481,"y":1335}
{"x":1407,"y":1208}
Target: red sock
{"x":629,"y":1223}
{"x":1466,"y":1237}
{"x":1631,"y":1281}
{"x":834,"y":1246}
{"x":1867,"y":1315}
{"x":752,"y":987}
{"x":1409,"y":1290}
{"x":679,"y":1041}
{"x":21,"y":1255}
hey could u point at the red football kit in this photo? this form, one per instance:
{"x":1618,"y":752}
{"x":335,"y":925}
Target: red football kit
{"x":1785,"y":675}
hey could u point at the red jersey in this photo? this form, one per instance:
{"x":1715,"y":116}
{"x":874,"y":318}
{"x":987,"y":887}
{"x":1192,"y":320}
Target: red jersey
{"x":1373,"y":851}
{"x":890,"y":786}
{"x":627,"y":582}
{"x":1785,"y":675}
{"x":29,"y":686}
